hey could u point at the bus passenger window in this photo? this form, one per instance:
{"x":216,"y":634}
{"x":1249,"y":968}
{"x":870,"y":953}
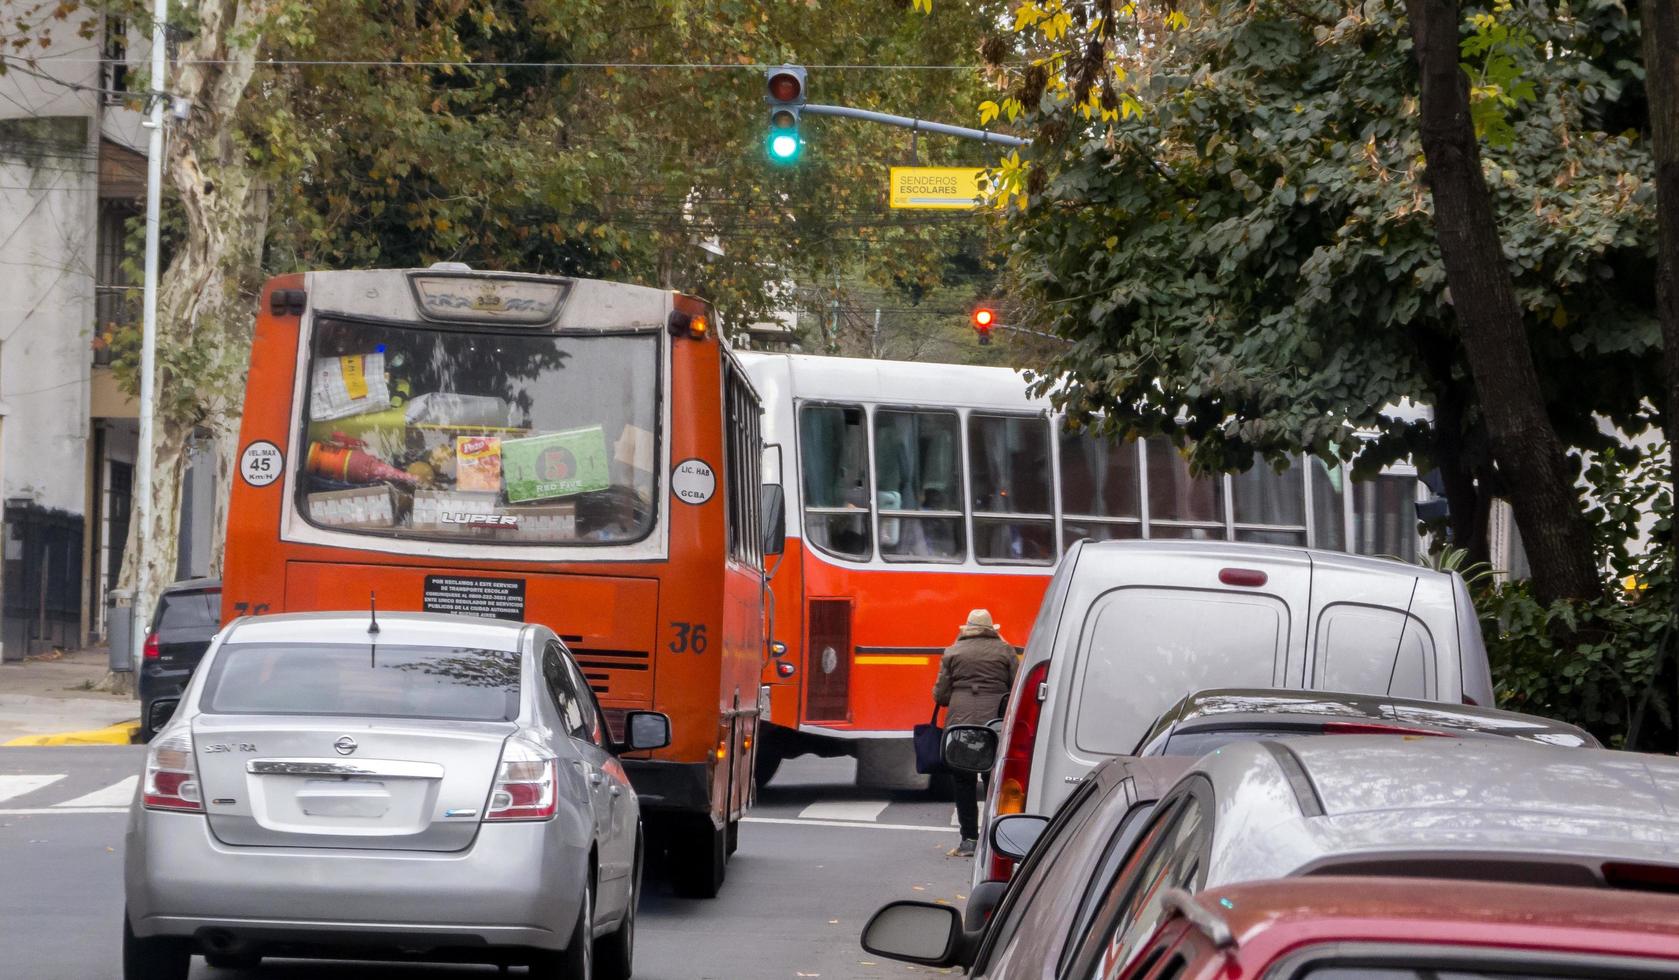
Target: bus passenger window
{"x":1182,"y":504}
{"x":834,"y":456}
{"x":918,"y":486}
{"x":462,"y":433}
{"x":1270,"y":506}
{"x":1101,"y":488}
{"x":1008,"y":459}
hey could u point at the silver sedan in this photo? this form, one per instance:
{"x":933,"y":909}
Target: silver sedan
{"x":405,"y":786}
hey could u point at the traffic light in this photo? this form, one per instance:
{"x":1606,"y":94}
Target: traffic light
{"x":984,"y":319}
{"x":784,"y":90}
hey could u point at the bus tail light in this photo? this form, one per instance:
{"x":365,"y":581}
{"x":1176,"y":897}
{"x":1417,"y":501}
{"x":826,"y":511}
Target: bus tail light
{"x":526,"y":784}
{"x":1016,"y":774}
{"x":172,"y":776}
{"x":689,"y":318}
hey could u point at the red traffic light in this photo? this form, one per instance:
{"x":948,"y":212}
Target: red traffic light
{"x":785,"y":86}
{"x":984,"y":318}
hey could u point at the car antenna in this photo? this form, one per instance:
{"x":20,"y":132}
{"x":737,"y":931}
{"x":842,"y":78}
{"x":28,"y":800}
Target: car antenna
{"x":1404,"y":625}
{"x":372,"y":611}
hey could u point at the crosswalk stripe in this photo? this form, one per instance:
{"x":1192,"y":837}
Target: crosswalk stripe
{"x":859,"y":811}
{"x":116,"y":794}
{"x":11,"y":786}
{"x":860,"y":825}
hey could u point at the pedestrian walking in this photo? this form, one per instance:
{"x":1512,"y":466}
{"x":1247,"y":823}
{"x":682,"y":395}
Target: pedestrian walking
{"x":975,"y":675}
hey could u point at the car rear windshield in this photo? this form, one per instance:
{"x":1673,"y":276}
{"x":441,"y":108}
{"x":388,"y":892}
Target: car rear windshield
{"x":189,"y":610}
{"x":364,"y":679}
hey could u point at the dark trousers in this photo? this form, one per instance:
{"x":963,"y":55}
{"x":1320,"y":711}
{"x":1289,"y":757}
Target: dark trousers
{"x":967,"y":806}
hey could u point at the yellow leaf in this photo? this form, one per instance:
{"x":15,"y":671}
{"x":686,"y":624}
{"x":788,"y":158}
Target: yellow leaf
{"x":441,"y":224}
{"x":988,"y":111}
{"x":1111,"y":241}
{"x":1559,"y":319}
{"x":1012,"y":107}
{"x":1176,"y":21}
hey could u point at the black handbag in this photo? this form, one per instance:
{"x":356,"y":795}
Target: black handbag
{"x":929,"y":746}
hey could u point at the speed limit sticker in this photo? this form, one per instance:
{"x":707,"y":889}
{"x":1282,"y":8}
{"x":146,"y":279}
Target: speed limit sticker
{"x":261,"y":463}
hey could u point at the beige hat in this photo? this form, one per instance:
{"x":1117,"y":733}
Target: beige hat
{"x":980,"y":618}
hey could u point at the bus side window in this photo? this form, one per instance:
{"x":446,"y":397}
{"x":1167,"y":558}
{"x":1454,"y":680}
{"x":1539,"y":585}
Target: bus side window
{"x":1014,"y":516}
{"x":834,"y":458}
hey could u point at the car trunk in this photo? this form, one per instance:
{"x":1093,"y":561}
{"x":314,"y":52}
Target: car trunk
{"x":298,"y":781}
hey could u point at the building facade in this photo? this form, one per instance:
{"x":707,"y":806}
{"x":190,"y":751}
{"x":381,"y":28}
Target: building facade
{"x":72,"y":181}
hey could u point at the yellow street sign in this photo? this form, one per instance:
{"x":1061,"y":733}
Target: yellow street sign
{"x":937,"y":188}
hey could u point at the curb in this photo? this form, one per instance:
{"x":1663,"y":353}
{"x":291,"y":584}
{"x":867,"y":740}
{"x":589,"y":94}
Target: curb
{"x":119,"y":734}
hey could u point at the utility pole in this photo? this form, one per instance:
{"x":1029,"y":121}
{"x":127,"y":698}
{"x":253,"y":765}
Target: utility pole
{"x":148,"y":336}
{"x":874,"y":340}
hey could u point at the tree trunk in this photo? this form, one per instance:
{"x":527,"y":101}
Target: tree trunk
{"x":206,"y":295}
{"x":1524,"y":444}
{"x":1661,"y":84}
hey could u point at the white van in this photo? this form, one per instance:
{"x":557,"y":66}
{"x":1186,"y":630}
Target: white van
{"x":1128,"y":627}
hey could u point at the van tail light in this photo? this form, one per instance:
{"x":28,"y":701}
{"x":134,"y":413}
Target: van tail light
{"x":1377,"y":728}
{"x":527,"y":784}
{"x":1471,"y":701}
{"x":172,"y":775}
{"x":1251,"y":578}
{"x":151,"y":650}
{"x":1016,"y":774}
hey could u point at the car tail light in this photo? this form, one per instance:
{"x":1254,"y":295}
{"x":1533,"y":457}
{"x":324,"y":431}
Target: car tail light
{"x":1016,"y":774}
{"x":151,"y":650}
{"x":527,"y":784}
{"x":1471,"y":701}
{"x":171,"y":775}
{"x":1377,"y":728}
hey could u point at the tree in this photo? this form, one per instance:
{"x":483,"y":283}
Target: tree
{"x":1227,"y":211}
{"x":1661,"y":78}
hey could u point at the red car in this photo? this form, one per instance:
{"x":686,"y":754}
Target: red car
{"x":1395,"y":929}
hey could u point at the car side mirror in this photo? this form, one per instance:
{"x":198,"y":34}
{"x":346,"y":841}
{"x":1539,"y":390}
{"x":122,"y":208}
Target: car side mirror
{"x":1013,"y":835}
{"x":969,"y":748}
{"x":645,"y":730}
{"x":774,"y":519}
{"x":159,"y":714}
{"x":920,"y":932}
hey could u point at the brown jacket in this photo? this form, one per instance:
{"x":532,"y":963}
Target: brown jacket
{"x":974,"y":679}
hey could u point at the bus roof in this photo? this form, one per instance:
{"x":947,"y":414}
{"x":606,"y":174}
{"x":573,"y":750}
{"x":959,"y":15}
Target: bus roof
{"x":852,"y":379}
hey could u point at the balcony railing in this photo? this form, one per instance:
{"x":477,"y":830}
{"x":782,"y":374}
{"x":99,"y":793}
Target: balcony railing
{"x":112,"y":312}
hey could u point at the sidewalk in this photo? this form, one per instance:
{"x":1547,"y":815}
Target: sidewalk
{"x":56,"y":693}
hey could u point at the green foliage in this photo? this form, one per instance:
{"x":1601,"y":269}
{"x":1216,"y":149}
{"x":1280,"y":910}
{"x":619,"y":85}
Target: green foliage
{"x":1607,"y":664}
{"x":617,"y":172}
{"x":1248,"y":264}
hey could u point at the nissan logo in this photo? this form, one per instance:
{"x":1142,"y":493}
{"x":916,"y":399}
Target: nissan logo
{"x":345,"y":745}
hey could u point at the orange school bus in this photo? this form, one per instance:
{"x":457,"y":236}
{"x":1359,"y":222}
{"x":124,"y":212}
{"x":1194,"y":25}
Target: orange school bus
{"x":571,"y":452}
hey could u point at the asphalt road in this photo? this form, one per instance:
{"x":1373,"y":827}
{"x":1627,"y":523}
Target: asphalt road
{"x":817,"y":857}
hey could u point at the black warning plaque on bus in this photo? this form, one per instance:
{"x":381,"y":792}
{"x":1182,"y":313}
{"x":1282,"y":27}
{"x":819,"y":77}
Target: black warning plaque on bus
{"x":500,"y":598}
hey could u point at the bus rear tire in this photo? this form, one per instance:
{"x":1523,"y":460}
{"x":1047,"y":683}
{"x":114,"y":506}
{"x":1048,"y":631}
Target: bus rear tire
{"x":699,"y":855}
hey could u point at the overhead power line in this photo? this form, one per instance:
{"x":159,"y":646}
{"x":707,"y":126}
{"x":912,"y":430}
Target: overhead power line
{"x":570,"y":65}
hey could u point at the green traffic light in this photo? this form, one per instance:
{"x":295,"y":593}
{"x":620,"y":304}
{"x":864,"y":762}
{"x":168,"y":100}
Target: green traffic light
{"x":784,"y":147}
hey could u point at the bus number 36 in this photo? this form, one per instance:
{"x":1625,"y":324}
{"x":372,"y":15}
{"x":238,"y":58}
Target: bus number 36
{"x":689,"y":637}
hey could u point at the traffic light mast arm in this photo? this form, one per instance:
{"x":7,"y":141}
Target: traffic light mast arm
{"x":1028,"y":330}
{"x":906,"y":122}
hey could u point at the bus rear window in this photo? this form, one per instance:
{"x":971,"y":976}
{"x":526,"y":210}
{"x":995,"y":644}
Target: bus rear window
{"x":498,"y":437}
{"x":364,"y":680}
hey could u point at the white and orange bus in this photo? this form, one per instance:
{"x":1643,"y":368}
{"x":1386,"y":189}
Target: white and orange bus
{"x":576,"y":453}
{"x":915,"y":492}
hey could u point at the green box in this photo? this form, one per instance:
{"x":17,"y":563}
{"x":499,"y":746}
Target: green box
{"x":556,"y":464}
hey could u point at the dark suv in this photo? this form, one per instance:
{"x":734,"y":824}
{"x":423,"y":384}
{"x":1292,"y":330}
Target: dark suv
{"x":188,"y":615}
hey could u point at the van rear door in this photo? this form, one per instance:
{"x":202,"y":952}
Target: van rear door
{"x":1200,"y":621}
{"x":1382,"y":628}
